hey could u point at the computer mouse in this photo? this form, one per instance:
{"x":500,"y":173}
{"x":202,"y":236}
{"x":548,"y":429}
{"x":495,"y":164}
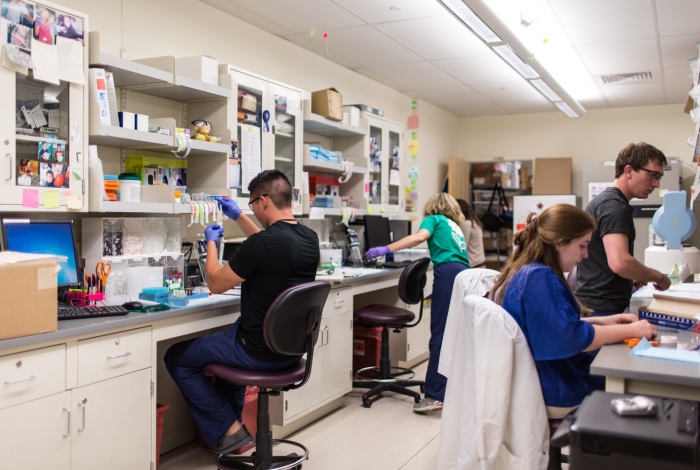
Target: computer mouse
{"x":133,"y":305}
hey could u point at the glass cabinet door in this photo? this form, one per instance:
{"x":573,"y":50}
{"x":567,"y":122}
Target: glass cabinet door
{"x":287,"y":119}
{"x":246,"y":159}
{"x":375,"y":165}
{"x":393,"y":162}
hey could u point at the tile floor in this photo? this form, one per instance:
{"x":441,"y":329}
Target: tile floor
{"x":388,"y":436}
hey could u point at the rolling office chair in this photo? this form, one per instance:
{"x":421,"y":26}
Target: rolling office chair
{"x":381,"y":379}
{"x":290,"y":328}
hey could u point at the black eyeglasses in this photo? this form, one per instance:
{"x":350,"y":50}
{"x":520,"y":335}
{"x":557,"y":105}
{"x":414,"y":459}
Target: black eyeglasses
{"x":655,"y":175}
{"x":250,"y":204}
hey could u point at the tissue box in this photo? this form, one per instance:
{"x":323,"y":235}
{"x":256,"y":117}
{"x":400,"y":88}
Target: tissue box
{"x":142,"y":122}
{"x":328,"y":103}
{"x":127,"y":120}
{"x":199,"y":67}
{"x":353,"y":115}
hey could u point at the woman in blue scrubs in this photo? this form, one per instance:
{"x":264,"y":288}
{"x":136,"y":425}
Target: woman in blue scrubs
{"x":533,"y":289}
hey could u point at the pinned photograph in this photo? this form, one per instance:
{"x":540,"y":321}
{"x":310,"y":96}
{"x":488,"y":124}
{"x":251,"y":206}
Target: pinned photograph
{"x":60,"y":175}
{"x":69,"y":26}
{"x":47,"y":175}
{"x":18,"y":12}
{"x":45,"y":24}
{"x":45,"y":153}
{"x":20,"y":36}
{"x":27,"y":172}
{"x":58,"y":154}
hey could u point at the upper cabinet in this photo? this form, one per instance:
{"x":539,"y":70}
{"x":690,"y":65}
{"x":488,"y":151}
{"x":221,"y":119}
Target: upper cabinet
{"x":385,"y":146}
{"x":43,"y":118}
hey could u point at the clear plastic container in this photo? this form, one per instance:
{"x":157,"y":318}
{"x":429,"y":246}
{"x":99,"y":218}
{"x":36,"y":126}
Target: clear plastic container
{"x":133,"y":237}
{"x":173,"y":235}
{"x":154,"y":236}
{"x":112,"y":237}
{"x":116,"y":281}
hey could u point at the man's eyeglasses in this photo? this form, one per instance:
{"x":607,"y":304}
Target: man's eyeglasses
{"x":250,"y":204}
{"x":655,"y":175}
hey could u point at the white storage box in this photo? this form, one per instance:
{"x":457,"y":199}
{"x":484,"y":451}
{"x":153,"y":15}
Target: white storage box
{"x":199,"y":67}
{"x":353,"y":115}
{"x":410,"y":254}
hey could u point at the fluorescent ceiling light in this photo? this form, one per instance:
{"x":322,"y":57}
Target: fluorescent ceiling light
{"x":545,"y":90}
{"x":566,"y":109}
{"x":472,"y":21}
{"x":514,"y":61}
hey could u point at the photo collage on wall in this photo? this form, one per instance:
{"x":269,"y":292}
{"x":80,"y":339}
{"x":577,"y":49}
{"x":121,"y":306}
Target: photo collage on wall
{"x":47,"y":168}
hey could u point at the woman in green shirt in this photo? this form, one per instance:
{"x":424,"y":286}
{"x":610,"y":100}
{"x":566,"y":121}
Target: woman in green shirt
{"x":448,"y":252}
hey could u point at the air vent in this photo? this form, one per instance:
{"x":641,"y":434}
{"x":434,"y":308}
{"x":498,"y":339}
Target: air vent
{"x":627,"y":78}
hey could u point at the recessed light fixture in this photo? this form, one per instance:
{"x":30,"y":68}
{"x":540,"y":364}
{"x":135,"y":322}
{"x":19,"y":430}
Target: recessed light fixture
{"x":395,"y":8}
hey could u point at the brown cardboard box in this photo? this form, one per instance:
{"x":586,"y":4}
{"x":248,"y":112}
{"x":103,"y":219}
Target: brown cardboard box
{"x":552,"y":176}
{"x":525,"y":182}
{"x":328,"y":103}
{"x":29,"y":297}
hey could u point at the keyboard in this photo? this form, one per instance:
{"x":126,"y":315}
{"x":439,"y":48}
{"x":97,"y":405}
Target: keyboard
{"x":74,"y":313}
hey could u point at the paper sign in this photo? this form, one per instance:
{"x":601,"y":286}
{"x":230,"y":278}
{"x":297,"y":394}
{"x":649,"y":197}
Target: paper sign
{"x":30,"y":197}
{"x":413,"y":171}
{"x":51,"y":199}
{"x":7,"y":63}
{"x":292,"y":107}
{"x":394,"y":179}
{"x":596,"y":188}
{"x":45,"y":58}
{"x":70,"y":60}
{"x":15,"y":59}
{"x":77,"y":172}
{"x":316,"y":213}
{"x":74,"y":202}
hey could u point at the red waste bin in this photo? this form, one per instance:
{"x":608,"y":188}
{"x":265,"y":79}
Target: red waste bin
{"x":250,"y":418}
{"x":367,"y":346}
{"x":160,"y":417}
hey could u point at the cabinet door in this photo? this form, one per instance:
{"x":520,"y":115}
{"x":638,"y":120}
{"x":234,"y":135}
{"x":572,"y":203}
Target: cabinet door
{"x":393,"y":151}
{"x":376,"y":163}
{"x":42,"y":139}
{"x":299,"y":400}
{"x":287,"y":132}
{"x":112,"y":423}
{"x":337,"y":355}
{"x":36,"y":435}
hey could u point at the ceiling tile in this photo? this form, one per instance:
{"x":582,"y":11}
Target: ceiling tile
{"x":369,"y":72}
{"x":427,"y":37}
{"x":462,"y":100}
{"x":415,"y":75}
{"x":521,"y":93}
{"x":634,"y":94}
{"x":475,"y":70}
{"x":620,"y":57}
{"x":227,"y":6}
{"x":366,"y":46}
{"x":677,"y":83}
{"x":378,"y":11}
{"x":299,"y":16}
{"x":303,"y":40}
{"x":676,"y":50}
{"x":594,"y":102}
{"x":600,"y":21}
{"x":678,"y":16}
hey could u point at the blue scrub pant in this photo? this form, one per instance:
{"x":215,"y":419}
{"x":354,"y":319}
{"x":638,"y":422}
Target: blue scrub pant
{"x":214,"y":406}
{"x":443,"y":279}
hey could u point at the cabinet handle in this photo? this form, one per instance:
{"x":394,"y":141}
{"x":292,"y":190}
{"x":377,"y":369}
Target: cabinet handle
{"x":12,"y":382}
{"x":119,"y":355}
{"x":9,"y":161}
{"x":339,"y":301}
{"x":67,"y":434}
{"x":325,"y":336}
{"x":83,"y":404}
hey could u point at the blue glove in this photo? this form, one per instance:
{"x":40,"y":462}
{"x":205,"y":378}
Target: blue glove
{"x":230,"y":208}
{"x":377,"y":252}
{"x":213,"y":233}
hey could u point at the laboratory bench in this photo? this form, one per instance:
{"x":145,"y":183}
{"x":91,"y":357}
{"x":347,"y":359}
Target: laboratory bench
{"x":80,"y":396}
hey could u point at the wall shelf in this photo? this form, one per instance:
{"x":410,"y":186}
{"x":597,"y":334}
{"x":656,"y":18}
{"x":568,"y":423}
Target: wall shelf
{"x":113,"y":136}
{"x":317,"y":124}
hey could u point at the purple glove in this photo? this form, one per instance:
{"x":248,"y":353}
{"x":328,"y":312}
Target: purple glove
{"x":377,"y":252}
{"x":213,"y":233}
{"x":230,"y":208}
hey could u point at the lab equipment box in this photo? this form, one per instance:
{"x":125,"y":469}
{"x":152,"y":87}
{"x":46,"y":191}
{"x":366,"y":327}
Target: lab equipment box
{"x":28,"y":290}
{"x":328,"y":103}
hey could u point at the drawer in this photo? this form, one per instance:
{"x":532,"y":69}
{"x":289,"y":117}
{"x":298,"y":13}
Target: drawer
{"x":32,"y":374}
{"x":339,"y":301}
{"x":112,"y":355}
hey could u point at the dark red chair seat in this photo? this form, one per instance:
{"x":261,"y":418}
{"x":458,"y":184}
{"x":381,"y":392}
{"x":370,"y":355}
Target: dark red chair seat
{"x":384,"y":315}
{"x":280,"y":378}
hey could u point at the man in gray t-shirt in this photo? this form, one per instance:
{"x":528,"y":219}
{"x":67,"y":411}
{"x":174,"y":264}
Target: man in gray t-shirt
{"x":605,"y":278}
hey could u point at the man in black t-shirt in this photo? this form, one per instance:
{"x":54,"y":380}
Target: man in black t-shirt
{"x":270,"y":261}
{"x":605,"y":278}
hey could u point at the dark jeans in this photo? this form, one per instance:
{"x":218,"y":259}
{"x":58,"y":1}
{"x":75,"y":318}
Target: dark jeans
{"x":443,"y":280}
{"x":214,"y":406}
{"x":606,"y":313}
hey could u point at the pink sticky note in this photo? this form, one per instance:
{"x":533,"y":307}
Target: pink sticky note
{"x":66,"y":192}
{"x":30,"y":197}
{"x":366,"y":187}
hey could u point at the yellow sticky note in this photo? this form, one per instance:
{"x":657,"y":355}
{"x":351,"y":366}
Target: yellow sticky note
{"x":51,"y":199}
{"x":662,"y":192}
{"x":74,"y":202}
{"x":369,"y":209}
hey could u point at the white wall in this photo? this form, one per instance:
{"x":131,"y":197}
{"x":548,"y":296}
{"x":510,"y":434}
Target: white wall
{"x":151,"y":28}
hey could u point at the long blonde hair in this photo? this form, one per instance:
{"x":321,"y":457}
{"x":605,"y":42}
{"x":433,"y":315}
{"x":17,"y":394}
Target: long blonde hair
{"x":443,"y":203}
{"x":559,"y":224}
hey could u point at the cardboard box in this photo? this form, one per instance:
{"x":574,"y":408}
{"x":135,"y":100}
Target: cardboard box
{"x":328,"y":103}
{"x":552,"y":176}
{"x":35,"y":311}
{"x":525,"y":182}
{"x":198,"y":67}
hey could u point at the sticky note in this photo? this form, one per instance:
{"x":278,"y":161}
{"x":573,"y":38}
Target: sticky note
{"x":77,"y":172}
{"x":30,"y":197}
{"x":74,"y":202}
{"x":369,"y":210}
{"x":66,"y":192}
{"x":51,"y":199}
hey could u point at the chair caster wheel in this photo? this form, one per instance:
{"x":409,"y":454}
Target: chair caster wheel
{"x":417,"y":399}
{"x":367,"y":403}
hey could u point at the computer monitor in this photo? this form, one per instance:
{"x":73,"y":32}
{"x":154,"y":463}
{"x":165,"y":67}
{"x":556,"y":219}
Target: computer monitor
{"x":399,"y":229}
{"x":377,"y":232}
{"x":53,"y":237}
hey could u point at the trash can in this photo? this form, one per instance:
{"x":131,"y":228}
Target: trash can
{"x":160,"y":417}
{"x":250,"y":418}
{"x":367,"y":346}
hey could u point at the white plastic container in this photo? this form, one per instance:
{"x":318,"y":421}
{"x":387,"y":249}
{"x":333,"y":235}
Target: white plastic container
{"x":129,"y":187}
{"x":332,"y":255}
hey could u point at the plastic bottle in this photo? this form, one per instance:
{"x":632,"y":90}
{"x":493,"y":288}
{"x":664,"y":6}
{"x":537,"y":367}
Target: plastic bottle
{"x":97,"y":183}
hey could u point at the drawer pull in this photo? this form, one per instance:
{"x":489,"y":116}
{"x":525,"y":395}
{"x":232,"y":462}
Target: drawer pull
{"x":339,"y":301}
{"x":67,"y":434}
{"x":119,"y":355}
{"x":11,"y":382}
{"x":83,"y":404}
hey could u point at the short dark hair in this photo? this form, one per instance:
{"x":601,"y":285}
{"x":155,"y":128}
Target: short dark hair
{"x":275,"y":184}
{"x":638,"y":155}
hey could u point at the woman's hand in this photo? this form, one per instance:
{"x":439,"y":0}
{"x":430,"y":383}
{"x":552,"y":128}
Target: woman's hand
{"x":644,"y":329}
{"x":617,"y":319}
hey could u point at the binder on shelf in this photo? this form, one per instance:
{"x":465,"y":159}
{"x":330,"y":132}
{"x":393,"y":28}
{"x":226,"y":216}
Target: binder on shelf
{"x":111,"y":99}
{"x":98,"y":95}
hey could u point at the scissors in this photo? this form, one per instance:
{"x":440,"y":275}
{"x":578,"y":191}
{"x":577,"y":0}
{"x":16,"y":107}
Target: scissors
{"x":632,"y":342}
{"x":102,"y":270}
